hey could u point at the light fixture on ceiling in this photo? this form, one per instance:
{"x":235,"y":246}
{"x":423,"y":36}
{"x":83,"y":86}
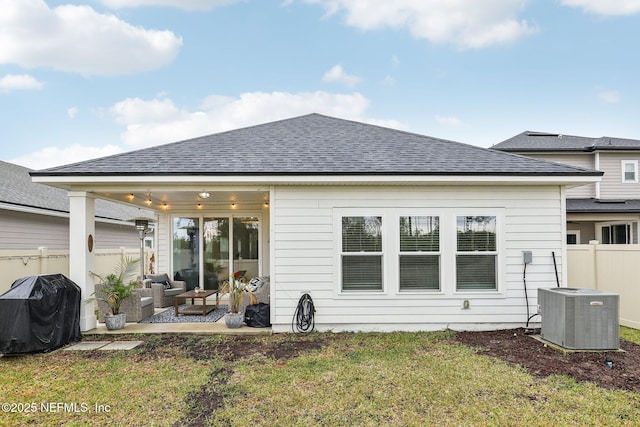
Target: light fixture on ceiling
{"x":233,"y":205}
{"x":204,"y":195}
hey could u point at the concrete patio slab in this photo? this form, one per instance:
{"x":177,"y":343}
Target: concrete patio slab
{"x":87,"y":346}
{"x":121,"y":345}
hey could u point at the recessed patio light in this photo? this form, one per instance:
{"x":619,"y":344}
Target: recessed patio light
{"x":204,"y":195}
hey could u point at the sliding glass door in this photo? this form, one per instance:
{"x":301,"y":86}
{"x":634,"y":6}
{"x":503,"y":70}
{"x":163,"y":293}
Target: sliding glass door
{"x":225,"y":250}
{"x":245,"y":247}
{"x":216,"y":251}
{"x":186,"y":250}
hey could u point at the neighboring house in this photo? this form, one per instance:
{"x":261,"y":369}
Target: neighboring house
{"x":606,"y":211}
{"x":34,"y":215}
{"x":385,"y":229}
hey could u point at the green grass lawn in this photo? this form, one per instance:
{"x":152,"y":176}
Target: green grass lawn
{"x":401,"y":379}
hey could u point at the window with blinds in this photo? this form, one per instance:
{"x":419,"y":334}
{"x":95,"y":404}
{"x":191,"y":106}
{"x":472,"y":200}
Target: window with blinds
{"x":362,"y":253}
{"x":476,"y":254}
{"x":419,"y":258}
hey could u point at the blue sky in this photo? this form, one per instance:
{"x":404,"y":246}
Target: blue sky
{"x":82,"y":79}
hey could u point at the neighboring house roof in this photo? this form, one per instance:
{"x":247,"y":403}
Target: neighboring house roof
{"x":552,"y":142}
{"x":610,"y":206}
{"x":17,"y":189}
{"x":315,"y":145}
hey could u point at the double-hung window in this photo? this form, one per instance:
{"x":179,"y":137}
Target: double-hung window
{"x":362,"y":253}
{"x":629,"y":171}
{"x":419,"y":258}
{"x":476,"y":254}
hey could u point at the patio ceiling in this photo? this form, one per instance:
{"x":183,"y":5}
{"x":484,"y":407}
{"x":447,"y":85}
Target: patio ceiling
{"x":189,"y":200}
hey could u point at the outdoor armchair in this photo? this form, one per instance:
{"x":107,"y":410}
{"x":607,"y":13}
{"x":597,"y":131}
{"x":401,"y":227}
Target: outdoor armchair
{"x":164,"y":289}
{"x":137,"y":307}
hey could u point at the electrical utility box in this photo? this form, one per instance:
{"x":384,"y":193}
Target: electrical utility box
{"x":580,"y":319}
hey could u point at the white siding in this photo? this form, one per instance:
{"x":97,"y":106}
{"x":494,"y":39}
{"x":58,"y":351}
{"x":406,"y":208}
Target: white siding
{"x":612,"y":186}
{"x":583,"y":160}
{"x":305,"y":256}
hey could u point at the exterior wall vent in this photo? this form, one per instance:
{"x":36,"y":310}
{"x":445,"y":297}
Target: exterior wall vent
{"x":580,"y":319}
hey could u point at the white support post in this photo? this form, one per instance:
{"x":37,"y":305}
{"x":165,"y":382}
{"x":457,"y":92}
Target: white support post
{"x":81,"y":258}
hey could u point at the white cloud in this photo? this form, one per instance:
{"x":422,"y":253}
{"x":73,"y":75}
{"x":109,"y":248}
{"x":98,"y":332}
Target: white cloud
{"x":449,"y":120}
{"x":12,"y":82}
{"x":136,"y":110}
{"x":465,"y":23}
{"x":609,"y":96}
{"x":78,"y":39}
{"x":389,"y":81}
{"x":337,"y":74}
{"x":72,"y":112}
{"x":157,"y":121}
{"x":181,"y":4}
{"x":53,"y":156}
{"x":606,"y":7}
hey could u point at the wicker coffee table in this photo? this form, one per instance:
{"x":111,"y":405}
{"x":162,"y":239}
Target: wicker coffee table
{"x":196,"y":309}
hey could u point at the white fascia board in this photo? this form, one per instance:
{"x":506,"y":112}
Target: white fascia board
{"x":220,"y":181}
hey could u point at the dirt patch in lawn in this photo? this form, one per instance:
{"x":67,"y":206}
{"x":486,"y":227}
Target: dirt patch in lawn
{"x":611,"y":369}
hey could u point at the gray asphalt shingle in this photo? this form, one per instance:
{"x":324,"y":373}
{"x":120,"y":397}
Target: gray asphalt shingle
{"x":315,"y":145}
{"x":603,"y":206}
{"x":540,"y":141}
{"x":16,"y":188}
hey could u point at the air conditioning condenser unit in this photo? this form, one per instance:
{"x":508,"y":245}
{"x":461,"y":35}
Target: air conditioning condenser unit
{"x":579,"y":319}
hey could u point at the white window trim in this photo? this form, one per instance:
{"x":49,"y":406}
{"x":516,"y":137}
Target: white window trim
{"x":499,"y":252}
{"x":600,"y":225}
{"x":391,"y":250}
{"x":398,"y":253}
{"x":634,"y":163}
{"x":338,"y":215}
{"x":574,"y":233}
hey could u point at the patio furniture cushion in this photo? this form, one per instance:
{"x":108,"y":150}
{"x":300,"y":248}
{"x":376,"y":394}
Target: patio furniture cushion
{"x":145,"y":301}
{"x":173,"y":291}
{"x":159,"y":278}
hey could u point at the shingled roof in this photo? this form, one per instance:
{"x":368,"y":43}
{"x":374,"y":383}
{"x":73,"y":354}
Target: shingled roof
{"x":314,"y":145}
{"x":16,"y":189}
{"x":603,"y":206}
{"x":552,"y":142}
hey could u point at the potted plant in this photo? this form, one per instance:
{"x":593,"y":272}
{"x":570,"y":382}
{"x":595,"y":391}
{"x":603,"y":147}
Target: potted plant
{"x":236,"y":289}
{"x":116,"y":287}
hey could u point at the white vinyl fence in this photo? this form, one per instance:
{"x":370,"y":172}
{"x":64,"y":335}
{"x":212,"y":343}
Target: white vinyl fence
{"x":15,"y":264}
{"x":611,"y":268}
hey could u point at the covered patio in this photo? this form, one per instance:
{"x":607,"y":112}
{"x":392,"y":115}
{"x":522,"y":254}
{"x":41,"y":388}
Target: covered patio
{"x":204,"y":231}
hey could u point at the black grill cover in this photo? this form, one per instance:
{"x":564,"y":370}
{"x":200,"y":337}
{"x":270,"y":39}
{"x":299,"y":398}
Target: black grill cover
{"x":39,"y":313}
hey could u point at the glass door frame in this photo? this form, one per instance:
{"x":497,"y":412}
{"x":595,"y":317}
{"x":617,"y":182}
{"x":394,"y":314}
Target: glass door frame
{"x":230,"y":216}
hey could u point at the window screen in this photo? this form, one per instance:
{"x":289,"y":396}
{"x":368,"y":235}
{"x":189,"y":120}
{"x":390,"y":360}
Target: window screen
{"x":362,"y":253}
{"x":476,"y":253}
{"x":419,"y":259}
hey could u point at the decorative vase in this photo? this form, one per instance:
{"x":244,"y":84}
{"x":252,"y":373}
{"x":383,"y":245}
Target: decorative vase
{"x":115,"y":321}
{"x":234,"y":320}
